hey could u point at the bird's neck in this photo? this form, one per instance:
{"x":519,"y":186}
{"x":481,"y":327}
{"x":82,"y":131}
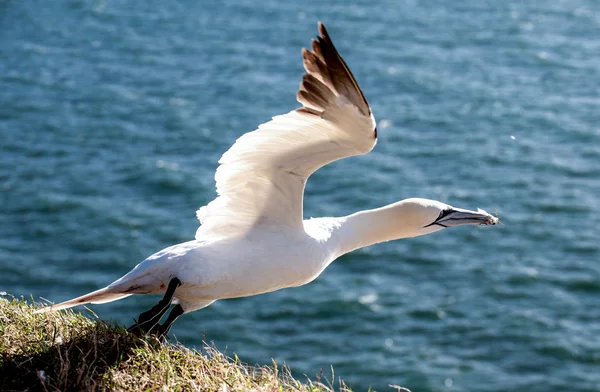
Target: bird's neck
{"x":370,"y":227}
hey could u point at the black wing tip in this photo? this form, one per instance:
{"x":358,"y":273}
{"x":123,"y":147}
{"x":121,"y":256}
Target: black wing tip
{"x":323,"y":31}
{"x":330,"y":76}
{"x":326,"y":51}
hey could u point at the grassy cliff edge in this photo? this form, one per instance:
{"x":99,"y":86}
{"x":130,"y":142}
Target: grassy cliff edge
{"x":67,"y":351}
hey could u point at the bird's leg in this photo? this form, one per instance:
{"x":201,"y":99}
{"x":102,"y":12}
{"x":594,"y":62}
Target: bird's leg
{"x":162,"y":330}
{"x":150,"y":318}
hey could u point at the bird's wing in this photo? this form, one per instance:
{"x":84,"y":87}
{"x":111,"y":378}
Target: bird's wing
{"x":260,"y":180}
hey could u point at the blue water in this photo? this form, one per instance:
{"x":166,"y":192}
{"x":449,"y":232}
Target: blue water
{"x":113,"y":115}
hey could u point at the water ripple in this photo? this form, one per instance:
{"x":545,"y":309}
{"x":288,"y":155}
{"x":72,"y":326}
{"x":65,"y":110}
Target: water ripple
{"x":114,"y":115}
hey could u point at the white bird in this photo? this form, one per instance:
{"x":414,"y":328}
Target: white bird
{"x":253,"y":238}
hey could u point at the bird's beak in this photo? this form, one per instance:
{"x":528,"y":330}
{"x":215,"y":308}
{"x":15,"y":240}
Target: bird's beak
{"x":457,"y":216}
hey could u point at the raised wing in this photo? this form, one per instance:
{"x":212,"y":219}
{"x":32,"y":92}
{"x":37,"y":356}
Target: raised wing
{"x":261,"y":178}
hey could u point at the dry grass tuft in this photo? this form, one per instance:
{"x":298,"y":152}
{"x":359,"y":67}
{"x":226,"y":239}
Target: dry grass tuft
{"x":66,"y":351}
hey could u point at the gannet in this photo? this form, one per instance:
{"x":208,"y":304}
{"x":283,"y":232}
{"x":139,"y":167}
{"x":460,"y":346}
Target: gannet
{"x":253,"y":238}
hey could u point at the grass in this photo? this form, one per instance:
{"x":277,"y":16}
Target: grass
{"x":65,"y":351}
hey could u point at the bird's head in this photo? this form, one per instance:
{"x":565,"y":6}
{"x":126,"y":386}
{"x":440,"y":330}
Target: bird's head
{"x":427,"y":216}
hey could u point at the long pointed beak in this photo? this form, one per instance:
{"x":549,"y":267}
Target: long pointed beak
{"x":457,"y":216}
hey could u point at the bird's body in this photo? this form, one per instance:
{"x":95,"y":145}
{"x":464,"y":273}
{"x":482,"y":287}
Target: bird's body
{"x":232,"y":267}
{"x":253,"y":238}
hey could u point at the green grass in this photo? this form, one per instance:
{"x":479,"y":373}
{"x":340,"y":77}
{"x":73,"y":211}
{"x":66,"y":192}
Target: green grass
{"x":65,"y":351}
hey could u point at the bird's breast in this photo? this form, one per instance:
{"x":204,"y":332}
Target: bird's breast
{"x":247,"y":266}
{"x":263,"y":266}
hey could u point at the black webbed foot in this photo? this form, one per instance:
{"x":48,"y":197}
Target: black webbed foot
{"x":149,"y":320}
{"x":162,"y":330}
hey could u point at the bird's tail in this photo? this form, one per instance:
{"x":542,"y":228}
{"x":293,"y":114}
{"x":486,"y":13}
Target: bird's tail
{"x":107,"y":294}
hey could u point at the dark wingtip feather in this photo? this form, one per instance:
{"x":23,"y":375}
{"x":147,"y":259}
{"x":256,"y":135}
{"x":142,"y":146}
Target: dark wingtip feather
{"x":322,"y":30}
{"x":329,"y":68}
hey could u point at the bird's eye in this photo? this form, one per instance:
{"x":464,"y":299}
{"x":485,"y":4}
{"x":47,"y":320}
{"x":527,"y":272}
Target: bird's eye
{"x":445,"y":213}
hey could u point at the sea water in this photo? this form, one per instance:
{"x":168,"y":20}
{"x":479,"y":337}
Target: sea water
{"x":113,"y":115}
